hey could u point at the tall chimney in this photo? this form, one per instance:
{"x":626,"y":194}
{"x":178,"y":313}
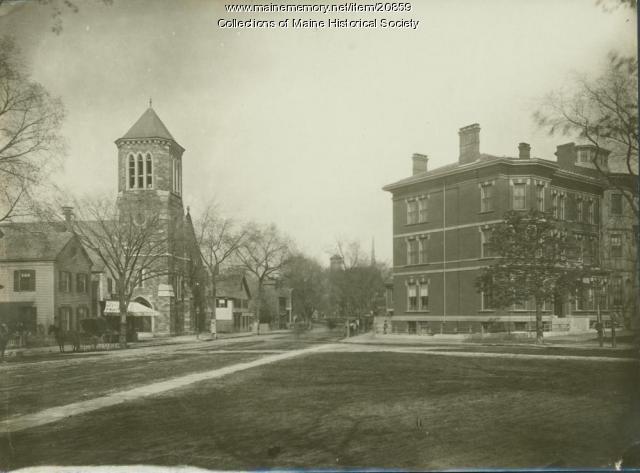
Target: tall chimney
{"x":469,"y":143}
{"x":524,"y":151}
{"x":419,"y":163}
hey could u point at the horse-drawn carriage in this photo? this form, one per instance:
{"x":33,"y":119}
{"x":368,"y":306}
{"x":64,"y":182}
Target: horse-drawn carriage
{"x":93,"y":333}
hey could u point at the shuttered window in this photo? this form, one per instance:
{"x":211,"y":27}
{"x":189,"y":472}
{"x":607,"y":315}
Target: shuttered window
{"x":24,"y":280}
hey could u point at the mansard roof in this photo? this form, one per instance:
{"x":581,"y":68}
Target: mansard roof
{"x":148,"y":125}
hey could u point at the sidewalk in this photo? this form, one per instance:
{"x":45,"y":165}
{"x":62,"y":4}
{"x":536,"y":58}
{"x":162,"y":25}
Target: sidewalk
{"x":579,"y":340}
{"x":152,"y":342}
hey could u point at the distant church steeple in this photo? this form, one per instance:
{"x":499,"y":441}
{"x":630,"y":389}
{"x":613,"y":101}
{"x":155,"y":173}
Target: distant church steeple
{"x":373,"y":251}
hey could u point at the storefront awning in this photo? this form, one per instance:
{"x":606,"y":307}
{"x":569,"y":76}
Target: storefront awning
{"x":136,"y":309}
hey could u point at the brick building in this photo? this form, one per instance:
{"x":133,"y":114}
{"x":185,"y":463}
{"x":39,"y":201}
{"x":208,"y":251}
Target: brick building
{"x":441,"y":219}
{"x":45,"y":276}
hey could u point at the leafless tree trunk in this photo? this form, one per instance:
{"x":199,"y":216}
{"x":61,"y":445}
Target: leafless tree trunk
{"x":131,"y":247}
{"x":264,"y":253}
{"x":218,"y":241}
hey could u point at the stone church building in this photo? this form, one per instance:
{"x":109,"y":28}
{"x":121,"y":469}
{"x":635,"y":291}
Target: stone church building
{"x":45,"y":279}
{"x":150,"y":182}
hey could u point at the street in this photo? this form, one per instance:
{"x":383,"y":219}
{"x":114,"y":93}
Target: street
{"x":305,"y":400}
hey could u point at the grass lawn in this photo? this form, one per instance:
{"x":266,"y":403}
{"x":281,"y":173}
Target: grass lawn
{"x":384,"y":410}
{"x":30,"y":387}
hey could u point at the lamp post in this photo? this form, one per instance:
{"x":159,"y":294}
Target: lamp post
{"x":598,"y":281}
{"x":290,"y":306}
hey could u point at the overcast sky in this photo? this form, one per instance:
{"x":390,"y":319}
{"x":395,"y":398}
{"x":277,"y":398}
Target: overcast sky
{"x":302,"y":127}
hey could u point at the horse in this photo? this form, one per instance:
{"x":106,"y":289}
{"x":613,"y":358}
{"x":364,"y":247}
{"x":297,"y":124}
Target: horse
{"x":62,"y":336}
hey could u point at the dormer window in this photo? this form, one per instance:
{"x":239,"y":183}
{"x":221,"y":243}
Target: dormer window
{"x":591,"y":156}
{"x":585,"y":156}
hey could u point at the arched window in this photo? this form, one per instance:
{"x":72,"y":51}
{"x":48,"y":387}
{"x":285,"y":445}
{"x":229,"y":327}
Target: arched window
{"x":149,"y":172}
{"x":140,"y":173}
{"x":132,"y":172}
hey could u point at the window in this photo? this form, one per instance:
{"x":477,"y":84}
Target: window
{"x":82,"y":283}
{"x":412,"y":296}
{"x":140,"y":172}
{"x":179,"y":287}
{"x":24,"y":280}
{"x":177,"y":183}
{"x":65,"y":315}
{"x":519,"y":196}
{"x":221,"y":303}
{"x":616,"y":291}
{"x":132,"y":172}
{"x":412,"y":212}
{"x":579,"y":210}
{"x":423,"y":249}
{"x":487,"y":300}
{"x":556,"y":208}
{"x":110,"y":286}
{"x":585,"y":250}
{"x":422,"y":210}
{"x":64,"y":282}
{"x":540,"y":197}
{"x":561,"y":207}
{"x":424,"y":296}
{"x":412,"y":251}
{"x":486,"y":193}
{"x":590,"y":211}
{"x":149,"y":172}
{"x":616,"y":246}
{"x":585,"y":156}
{"x":616,"y":204}
{"x":585,"y":298}
{"x":486,"y":250}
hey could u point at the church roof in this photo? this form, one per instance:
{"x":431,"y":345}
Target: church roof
{"x":148,"y":125}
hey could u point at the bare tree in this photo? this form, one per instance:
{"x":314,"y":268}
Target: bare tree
{"x":218,"y":241}
{"x":264,"y":254}
{"x":357,"y":287}
{"x":350,"y":252}
{"x":30,"y":140}
{"x":58,"y":8}
{"x":604,"y":112}
{"x":131,"y":246}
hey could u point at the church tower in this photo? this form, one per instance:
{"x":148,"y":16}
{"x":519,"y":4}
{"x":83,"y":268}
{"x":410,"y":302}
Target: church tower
{"x":150,"y":182}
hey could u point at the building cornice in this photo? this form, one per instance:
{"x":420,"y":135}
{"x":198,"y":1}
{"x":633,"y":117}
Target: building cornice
{"x":435,"y":174}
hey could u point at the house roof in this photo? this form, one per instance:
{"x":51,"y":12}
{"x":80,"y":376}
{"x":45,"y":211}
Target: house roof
{"x":148,"y":125}
{"x":233,"y":285}
{"x":32,"y":241}
{"x":483,"y":160}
